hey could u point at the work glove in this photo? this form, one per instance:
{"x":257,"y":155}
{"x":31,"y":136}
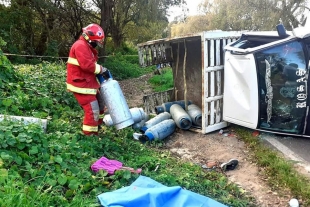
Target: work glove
{"x":105,"y":73}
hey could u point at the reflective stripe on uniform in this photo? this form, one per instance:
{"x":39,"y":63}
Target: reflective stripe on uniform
{"x":73,"y":61}
{"x":81,"y":90}
{"x":98,"y":69}
{"x":101,"y":116}
{"x":90,"y":128}
{"x":95,"y":109}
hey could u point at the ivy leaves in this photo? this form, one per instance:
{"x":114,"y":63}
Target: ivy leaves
{"x":59,"y":161}
{"x":42,"y":92}
{"x":55,"y":166}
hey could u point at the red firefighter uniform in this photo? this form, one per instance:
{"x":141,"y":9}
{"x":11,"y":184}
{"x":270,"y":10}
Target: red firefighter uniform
{"x":81,"y":80}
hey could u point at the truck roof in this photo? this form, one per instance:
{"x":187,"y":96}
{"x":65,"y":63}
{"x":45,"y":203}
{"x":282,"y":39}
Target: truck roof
{"x":299,"y":32}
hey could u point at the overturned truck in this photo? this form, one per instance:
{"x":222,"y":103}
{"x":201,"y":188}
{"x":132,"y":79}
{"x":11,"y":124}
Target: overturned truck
{"x":257,"y":80}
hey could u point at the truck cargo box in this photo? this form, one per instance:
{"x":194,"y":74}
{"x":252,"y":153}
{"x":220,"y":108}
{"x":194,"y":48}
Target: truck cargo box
{"x":263,"y":86}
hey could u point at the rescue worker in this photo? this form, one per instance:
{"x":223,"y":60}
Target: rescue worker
{"x":82,"y":69}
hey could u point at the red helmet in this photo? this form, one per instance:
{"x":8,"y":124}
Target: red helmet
{"x":94,"y":33}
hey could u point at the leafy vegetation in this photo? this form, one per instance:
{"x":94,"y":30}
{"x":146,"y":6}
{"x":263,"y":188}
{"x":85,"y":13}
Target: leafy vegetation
{"x":164,"y":81}
{"x":228,"y":15}
{"x":53,"y":168}
{"x":279,"y":172}
{"x":125,"y":66}
{"x":7,"y":71}
{"x":50,"y":27}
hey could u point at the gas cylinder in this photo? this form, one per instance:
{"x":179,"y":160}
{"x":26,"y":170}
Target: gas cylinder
{"x":166,"y":106}
{"x":137,"y":115}
{"x":181,"y":118}
{"x":155,"y":120}
{"x":195,"y":113}
{"x":116,"y":103}
{"x":159,"y":131}
{"x":139,"y":125}
{"x":107,"y":120}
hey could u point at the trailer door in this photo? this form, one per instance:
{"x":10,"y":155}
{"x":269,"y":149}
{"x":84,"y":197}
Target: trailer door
{"x":240,"y":90}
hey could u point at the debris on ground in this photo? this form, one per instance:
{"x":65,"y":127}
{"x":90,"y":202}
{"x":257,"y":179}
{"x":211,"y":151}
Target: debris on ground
{"x":255,"y":133}
{"x":227,"y":133}
{"x":110,"y":166}
{"x":230,"y":165}
{"x":211,"y":165}
{"x":199,"y":148}
{"x":294,"y":202}
{"x":224,"y":166}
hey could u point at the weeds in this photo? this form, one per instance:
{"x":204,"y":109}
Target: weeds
{"x":53,"y":168}
{"x":125,"y":67}
{"x":279,"y":171}
{"x":162,"y":82}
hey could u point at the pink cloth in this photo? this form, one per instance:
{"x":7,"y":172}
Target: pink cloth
{"x":108,"y":165}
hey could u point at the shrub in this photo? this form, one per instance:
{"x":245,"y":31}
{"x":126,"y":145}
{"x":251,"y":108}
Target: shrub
{"x":122,"y":69}
{"x":164,"y":81}
{"x":7,"y":73}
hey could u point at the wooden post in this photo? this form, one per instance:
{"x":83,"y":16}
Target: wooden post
{"x":176,"y":73}
{"x":184,"y":75}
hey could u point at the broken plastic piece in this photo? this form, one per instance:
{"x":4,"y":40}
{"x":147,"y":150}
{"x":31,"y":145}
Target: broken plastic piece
{"x":294,"y":202}
{"x":210,"y":165}
{"x":138,"y":171}
{"x":255,"y":133}
{"x":222,"y":131}
{"x":137,"y":136}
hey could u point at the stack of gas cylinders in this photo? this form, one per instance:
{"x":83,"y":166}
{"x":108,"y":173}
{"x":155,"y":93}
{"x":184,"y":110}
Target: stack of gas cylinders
{"x":168,"y":117}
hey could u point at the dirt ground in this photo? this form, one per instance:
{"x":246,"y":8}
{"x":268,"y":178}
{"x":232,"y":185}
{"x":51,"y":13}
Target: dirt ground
{"x":205,"y":148}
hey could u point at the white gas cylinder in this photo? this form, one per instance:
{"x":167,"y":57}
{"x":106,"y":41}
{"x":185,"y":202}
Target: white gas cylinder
{"x":116,"y":104}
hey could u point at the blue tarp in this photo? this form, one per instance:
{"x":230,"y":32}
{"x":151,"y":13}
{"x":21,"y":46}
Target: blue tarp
{"x":145,"y":192}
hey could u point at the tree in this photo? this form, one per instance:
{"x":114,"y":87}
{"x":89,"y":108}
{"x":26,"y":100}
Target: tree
{"x":144,"y":32}
{"x":254,"y":14}
{"x":118,"y":16}
{"x":16,"y":20}
{"x":43,"y":26}
{"x":38,"y":25}
{"x":193,"y":24}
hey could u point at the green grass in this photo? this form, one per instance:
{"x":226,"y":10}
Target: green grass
{"x":162,"y":82}
{"x":125,"y":67}
{"x":279,"y":171}
{"x":53,"y":168}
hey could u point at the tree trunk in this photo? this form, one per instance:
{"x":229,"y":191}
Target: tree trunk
{"x":106,"y":19}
